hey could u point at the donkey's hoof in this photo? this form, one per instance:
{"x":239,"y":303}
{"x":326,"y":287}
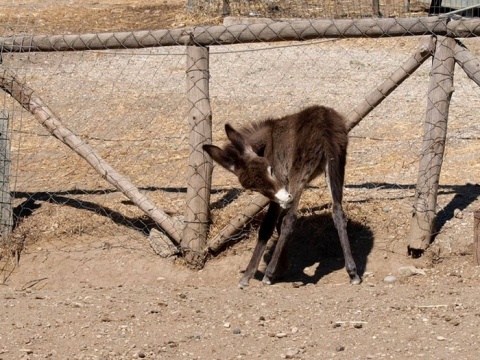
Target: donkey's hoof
{"x":266,"y":280}
{"x":243,"y":283}
{"x":355,"y":280}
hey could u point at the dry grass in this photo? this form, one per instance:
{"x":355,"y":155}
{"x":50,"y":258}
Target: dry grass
{"x":85,"y":16}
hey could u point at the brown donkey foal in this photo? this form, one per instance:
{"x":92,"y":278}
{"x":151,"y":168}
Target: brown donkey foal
{"x":278,"y":158}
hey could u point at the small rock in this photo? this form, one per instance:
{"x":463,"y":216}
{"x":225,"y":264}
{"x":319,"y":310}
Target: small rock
{"x":458,"y":213}
{"x":141,"y":355}
{"x":226,"y":325}
{"x":28,"y":351}
{"x":357,"y":325}
{"x":408,"y":271}
{"x":294,"y":330}
{"x":19,"y":325}
{"x":390,"y":279}
{"x":441,"y":338}
{"x":339,"y":348}
{"x":161,"y":244}
{"x":237,"y":331}
{"x":281,"y":335}
{"x":291,"y":353}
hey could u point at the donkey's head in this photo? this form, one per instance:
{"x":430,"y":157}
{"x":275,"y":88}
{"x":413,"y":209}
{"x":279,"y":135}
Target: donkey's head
{"x":254,"y":172}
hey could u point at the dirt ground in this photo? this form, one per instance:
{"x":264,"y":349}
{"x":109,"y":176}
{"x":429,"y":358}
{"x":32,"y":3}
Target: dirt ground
{"x":98,"y":291}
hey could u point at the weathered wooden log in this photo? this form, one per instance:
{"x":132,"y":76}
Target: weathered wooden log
{"x":6,"y":215}
{"x":461,"y":28}
{"x":372,"y":100}
{"x":199,"y":174}
{"x":440,"y":92}
{"x":31,"y":102}
{"x":237,"y":223}
{"x":100,"y":41}
{"x":244,"y":33}
{"x":468,"y":62}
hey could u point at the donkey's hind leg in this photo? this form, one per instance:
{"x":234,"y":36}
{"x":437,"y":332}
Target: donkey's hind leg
{"x":335,"y":172}
{"x":265,"y":233}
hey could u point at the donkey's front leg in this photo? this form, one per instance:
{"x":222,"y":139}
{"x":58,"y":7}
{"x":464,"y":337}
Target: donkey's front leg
{"x":286,"y":229}
{"x":266,"y":230}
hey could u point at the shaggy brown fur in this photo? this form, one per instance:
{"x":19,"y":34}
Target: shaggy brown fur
{"x":278,"y":158}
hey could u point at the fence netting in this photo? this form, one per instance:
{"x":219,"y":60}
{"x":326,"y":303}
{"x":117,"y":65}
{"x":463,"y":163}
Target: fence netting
{"x":130,"y":106}
{"x":307,"y":9}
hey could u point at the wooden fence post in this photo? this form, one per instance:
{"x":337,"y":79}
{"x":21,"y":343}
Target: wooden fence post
{"x":440,"y":92}
{"x":376,"y":8}
{"x":6,"y":218}
{"x":200,"y":167}
{"x":476,"y":237}
{"x":226,"y":11}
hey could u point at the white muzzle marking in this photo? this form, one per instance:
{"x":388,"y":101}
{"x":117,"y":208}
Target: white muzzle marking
{"x":284,"y":198}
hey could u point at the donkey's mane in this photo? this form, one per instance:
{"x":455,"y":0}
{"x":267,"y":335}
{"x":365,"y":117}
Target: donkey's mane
{"x":257,"y":134}
{"x":256,"y":126}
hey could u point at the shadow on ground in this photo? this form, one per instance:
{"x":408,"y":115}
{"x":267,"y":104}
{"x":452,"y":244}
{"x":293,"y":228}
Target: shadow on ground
{"x":315,"y":238}
{"x":315,"y":241}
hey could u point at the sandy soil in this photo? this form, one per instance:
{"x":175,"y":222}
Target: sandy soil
{"x":87,"y":284}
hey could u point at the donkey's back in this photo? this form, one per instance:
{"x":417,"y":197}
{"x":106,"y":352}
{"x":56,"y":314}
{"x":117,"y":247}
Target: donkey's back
{"x":299,"y":145}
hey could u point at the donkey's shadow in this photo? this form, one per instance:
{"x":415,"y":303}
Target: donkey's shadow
{"x":315,"y":240}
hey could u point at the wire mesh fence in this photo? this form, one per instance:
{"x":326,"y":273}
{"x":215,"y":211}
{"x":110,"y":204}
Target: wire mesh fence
{"x":307,"y":9}
{"x":130,"y":106}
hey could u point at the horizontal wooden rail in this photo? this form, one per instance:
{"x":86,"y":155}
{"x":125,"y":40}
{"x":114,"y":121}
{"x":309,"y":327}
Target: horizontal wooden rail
{"x":246,"y":33}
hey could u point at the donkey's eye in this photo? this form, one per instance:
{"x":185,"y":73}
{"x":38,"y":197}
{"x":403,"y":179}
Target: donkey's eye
{"x":269,"y":169}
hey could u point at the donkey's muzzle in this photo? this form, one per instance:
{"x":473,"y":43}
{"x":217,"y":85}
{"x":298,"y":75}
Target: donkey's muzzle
{"x":284,"y":198}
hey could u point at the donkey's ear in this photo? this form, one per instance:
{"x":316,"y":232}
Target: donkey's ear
{"x":220,"y":156}
{"x":235,"y":137}
{"x":238,"y":141}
